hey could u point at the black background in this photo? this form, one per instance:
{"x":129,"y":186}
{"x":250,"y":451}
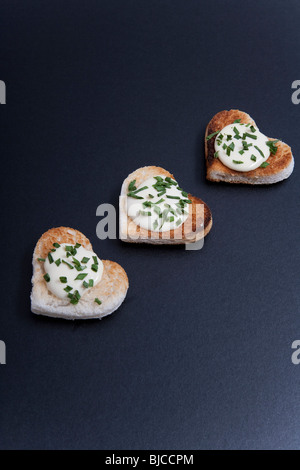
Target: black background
{"x":199,"y":355}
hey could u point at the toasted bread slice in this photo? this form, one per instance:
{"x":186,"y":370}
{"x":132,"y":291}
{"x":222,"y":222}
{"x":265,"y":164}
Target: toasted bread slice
{"x":193,"y":229}
{"x":280,"y":167}
{"x":111,"y":290}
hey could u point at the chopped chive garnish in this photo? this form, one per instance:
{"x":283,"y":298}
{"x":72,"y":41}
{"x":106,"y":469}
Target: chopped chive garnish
{"x":77,"y":295}
{"x":131,"y":186}
{"x":246,"y":134}
{"x":63,"y":280}
{"x":246,"y":145}
{"x":230,"y":148}
{"x":159,"y":202}
{"x":158,"y":178}
{"x":57,"y":245}
{"x":237,"y":133}
{"x":80,"y":268}
{"x":187,"y":201}
{"x":41,"y":259}
{"x":78,"y":245}
{"x":139,"y":190}
{"x":185,"y":194}
{"x":98,"y":301}
{"x":78,"y":265}
{"x":53,"y":250}
{"x":74,"y":298}
{"x":237,"y":162}
{"x":155,"y":224}
{"x":165,"y":213}
{"x":264,"y":165}
{"x":50,"y":258}
{"x":95,"y":259}
{"x":151,"y":196}
{"x":252,"y":129}
{"x":85,"y":284}
{"x":81,"y":276}
{"x":169,"y":180}
{"x":272,"y":146}
{"x":253,"y":157}
{"x":229,"y":137}
{"x":164,"y":216}
{"x":236,"y":121}
{"x":85,"y":260}
{"x":57,"y":262}
{"x":71,"y":250}
{"x":47,"y":277}
{"x":212,"y":135}
{"x":134,"y":196}
{"x":216,"y":155}
{"x":161,"y":186}
{"x":94,"y":267}
{"x":91,"y":282}
{"x":178,"y":222}
{"x":148,"y":213}
{"x":224,"y":147}
{"x":241,"y":152}
{"x":68,"y":288}
{"x":171,"y":219}
{"x":173,"y":197}
{"x":259,"y":150}
{"x":157,"y":209}
{"x":68,"y":264}
{"x":76,"y":262}
{"x":147,"y":204}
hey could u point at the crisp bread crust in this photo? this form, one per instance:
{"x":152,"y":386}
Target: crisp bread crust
{"x":111,"y":290}
{"x":189,"y":232}
{"x":280,"y":165}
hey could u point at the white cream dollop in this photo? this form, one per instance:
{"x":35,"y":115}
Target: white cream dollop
{"x":67,"y":270}
{"x":158,"y":210}
{"x":241,"y":147}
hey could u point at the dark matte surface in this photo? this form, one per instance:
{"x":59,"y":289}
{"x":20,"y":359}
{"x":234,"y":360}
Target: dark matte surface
{"x":199,"y":355}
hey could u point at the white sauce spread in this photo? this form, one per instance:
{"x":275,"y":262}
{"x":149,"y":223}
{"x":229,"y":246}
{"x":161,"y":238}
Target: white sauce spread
{"x":158,"y":204}
{"x":242,"y":147}
{"x":71,"y":269}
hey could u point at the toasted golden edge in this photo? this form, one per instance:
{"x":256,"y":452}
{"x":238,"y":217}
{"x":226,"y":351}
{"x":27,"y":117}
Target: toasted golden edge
{"x":281,"y":164}
{"x":111,"y":290}
{"x":192,"y":232}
